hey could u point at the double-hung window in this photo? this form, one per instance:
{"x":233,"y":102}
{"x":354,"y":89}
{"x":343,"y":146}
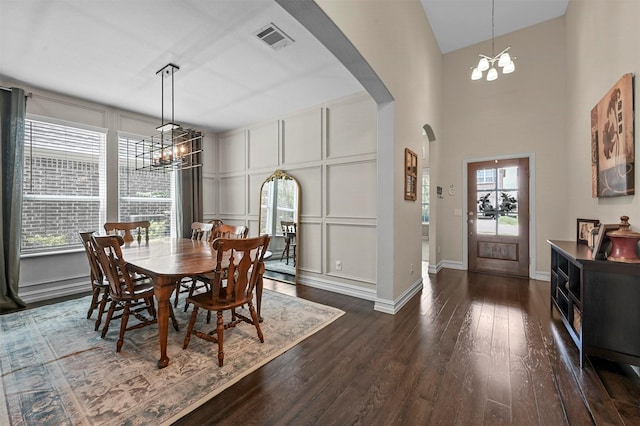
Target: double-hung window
{"x":64,"y":187}
{"x":147,"y":194}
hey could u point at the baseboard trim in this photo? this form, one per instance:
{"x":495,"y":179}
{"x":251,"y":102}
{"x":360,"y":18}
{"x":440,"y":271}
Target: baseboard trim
{"x":340,"y":288}
{"x":393,"y":306}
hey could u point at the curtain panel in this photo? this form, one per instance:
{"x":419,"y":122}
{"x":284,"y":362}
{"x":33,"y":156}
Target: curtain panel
{"x":12,"y":117}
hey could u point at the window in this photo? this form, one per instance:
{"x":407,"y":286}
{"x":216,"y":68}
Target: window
{"x":145,"y":194}
{"x":425,"y":196}
{"x":63,"y":184}
{"x":486,"y":176}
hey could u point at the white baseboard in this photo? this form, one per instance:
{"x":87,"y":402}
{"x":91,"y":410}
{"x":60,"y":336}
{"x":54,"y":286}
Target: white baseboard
{"x":393,"y":306}
{"x":340,"y":288}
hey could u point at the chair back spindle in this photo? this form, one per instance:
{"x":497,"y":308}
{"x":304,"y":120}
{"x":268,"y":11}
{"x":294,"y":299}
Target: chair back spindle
{"x":124,"y":229}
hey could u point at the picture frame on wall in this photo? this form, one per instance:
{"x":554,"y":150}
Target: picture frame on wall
{"x":612,"y":142}
{"x":410,"y":175}
{"x":583,"y":231}
{"x":601,"y":242}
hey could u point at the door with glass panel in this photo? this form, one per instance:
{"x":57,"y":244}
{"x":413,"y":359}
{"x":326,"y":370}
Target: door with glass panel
{"x":498,"y":216}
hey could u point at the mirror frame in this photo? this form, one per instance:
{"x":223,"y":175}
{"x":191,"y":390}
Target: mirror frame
{"x":280,"y":174}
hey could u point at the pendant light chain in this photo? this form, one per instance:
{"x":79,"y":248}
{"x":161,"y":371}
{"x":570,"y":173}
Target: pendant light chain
{"x":487,"y":63}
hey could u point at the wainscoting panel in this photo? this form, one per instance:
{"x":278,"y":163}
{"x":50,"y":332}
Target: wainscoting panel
{"x":351,"y":190}
{"x":263,"y":146}
{"x":355,"y":246}
{"x":301,"y":137}
{"x":351,"y":127}
{"x":310,"y":244}
{"x":209,"y":155}
{"x":255,"y":184}
{"x":232,"y":153}
{"x":310,"y":180}
{"x":209,"y":190}
{"x":232,"y":195}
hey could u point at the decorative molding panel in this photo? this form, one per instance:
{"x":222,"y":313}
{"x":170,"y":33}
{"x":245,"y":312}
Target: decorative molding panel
{"x":209,"y":191}
{"x":263,"y":146}
{"x":310,"y":180}
{"x":351,"y":190}
{"x":255,"y":184}
{"x":302,"y":137}
{"x":310,"y":244}
{"x":231,"y":152}
{"x":233,"y":192}
{"x":351,"y":127}
{"x":355,"y":247}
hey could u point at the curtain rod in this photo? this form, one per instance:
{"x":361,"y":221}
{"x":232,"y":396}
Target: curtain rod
{"x":8,"y":89}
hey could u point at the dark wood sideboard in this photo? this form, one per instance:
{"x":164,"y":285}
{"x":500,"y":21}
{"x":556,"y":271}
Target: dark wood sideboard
{"x":598,"y":302}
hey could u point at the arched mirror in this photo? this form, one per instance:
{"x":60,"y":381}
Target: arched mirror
{"x":279,"y":217}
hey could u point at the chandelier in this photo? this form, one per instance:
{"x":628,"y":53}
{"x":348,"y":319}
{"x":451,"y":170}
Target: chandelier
{"x":488,"y":62}
{"x":173,"y":147}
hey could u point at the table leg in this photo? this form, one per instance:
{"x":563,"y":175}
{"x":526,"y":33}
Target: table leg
{"x":163,"y":288}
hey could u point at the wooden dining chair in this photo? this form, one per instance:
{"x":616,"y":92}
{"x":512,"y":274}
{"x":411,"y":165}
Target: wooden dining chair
{"x":199,"y":231}
{"x":230,"y":231}
{"x":99,"y":282}
{"x":216,"y":223}
{"x":222,"y":231}
{"x":232,"y":286}
{"x":124,"y":229}
{"x":129,"y":292}
{"x":289,"y":231}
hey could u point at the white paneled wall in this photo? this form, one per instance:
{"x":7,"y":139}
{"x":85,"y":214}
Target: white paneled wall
{"x":331,"y":151}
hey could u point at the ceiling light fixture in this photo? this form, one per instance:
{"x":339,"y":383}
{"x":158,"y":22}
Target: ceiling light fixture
{"x":505,"y":61}
{"x":174,"y":147}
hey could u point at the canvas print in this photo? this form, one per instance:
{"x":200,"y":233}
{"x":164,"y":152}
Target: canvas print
{"x":612,"y":147}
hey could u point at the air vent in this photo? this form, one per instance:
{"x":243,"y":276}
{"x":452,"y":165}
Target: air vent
{"x":273,"y":36}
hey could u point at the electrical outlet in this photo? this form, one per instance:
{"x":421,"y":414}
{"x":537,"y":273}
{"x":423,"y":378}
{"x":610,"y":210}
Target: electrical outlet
{"x":411,"y":270}
{"x":338,"y":265}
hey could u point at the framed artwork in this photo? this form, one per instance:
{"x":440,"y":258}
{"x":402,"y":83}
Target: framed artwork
{"x":410,"y":175}
{"x":612,"y":144}
{"x":584,"y":227}
{"x":601,"y":242}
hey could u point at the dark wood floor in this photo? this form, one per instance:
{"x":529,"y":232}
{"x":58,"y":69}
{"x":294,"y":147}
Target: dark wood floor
{"x":471,"y":349}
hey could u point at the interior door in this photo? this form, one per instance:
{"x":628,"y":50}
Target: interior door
{"x":498,"y":216}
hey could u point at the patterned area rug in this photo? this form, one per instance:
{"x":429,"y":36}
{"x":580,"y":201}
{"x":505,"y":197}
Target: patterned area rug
{"x":280,"y":266}
{"x":55,"y":370}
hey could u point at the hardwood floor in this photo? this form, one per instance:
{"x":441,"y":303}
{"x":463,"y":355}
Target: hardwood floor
{"x":471,"y":349}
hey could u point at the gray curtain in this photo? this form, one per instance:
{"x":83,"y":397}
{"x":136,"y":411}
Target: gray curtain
{"x":12,"y":116}
{"x":189,"y":207}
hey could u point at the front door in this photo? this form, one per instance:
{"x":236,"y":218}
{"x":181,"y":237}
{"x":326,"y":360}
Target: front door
{"x":498,"y":216}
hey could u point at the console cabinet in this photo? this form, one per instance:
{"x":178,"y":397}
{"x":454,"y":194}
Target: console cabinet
{"x":597,"y":301}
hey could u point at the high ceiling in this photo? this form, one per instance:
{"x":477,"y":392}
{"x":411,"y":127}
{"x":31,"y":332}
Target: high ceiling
{"x":109,"y":51}
{"x":461,"y":23}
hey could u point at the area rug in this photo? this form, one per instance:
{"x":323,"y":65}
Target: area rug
{"x":280,"y":266}
{"x":55,"y":370}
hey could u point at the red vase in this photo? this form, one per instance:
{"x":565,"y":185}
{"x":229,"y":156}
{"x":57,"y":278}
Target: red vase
{"x":623,"y":243}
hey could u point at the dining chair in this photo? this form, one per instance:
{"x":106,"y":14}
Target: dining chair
{"x":222,"y":231}
{"x":133,"y":294}
{"x":99,"y":282}
{"x":232,"y":286}
{"x":289,"y":231}
{"x":230,"y":231}
{"x":124,"y":229}
{"x":199,"y":231}
{"x":216,"y":223}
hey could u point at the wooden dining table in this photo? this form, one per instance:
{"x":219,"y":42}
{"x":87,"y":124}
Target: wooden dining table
{"x":166,"y":261}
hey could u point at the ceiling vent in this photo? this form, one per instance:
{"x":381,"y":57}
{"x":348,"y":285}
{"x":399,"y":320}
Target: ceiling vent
{"x":273,"y":36}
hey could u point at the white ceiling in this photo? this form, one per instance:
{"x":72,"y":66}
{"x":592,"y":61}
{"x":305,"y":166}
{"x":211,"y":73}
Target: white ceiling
{"x":109,"y":52}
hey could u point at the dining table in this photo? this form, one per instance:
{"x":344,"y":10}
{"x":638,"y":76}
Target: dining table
{"x":166,"y":261}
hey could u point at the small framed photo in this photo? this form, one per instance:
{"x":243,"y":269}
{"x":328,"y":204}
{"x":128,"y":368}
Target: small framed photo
{"x":601,"y":242}
{"x":584,"y":235}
